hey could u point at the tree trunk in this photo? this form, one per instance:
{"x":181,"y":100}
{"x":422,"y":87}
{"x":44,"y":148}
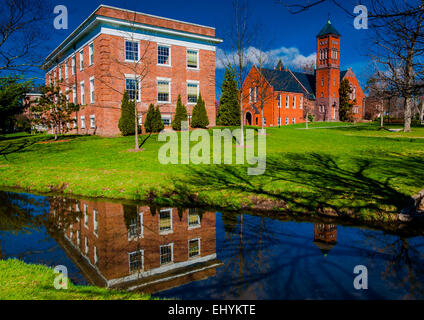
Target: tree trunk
{"x":242,"y":120}
{"x":307,"y":120}
{"x":421,"y":110}
{"x":381,"y":119}
{"x":408,"y":115}
{"x":136,"y":126}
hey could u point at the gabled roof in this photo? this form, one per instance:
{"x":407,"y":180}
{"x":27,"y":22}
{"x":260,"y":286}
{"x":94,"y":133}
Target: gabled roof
{"x":287,"y":81}
{"x":328,"y":29}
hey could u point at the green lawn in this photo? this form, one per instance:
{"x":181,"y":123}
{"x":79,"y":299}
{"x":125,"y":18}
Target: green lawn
{"x":359,"y":171}
{"x":20,"y":281}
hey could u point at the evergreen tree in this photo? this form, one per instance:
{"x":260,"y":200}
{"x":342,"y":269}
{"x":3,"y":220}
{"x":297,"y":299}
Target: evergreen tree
{"x":180,"y":115}
{"x":148,"y":123}
{"x":200,"y":117}
{"x":346,"y":105}
{"x":229,"y":109}
{"x":158,"y":125}
{"x":126,"y":122}
{"x":280,"y":65}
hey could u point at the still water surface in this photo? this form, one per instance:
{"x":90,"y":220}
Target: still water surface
{"x":200,"y":254}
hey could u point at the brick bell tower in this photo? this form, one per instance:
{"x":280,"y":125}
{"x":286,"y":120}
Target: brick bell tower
{"x":328,"y":74}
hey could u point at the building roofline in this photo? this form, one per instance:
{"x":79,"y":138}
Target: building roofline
{"x":81,"y":27}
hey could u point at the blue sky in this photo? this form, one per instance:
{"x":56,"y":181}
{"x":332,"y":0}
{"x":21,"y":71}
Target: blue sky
{"x":290,"y":37}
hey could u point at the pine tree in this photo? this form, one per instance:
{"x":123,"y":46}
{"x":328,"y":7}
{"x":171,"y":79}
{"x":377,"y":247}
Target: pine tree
{"x":148,"y":123}
{"x":158,"y":125}
{"x":345,"y":110}
{"x":126,"y":122}
{"x":229,"y":109}
{"x":200,"y":117}
{"x":180,"y":115}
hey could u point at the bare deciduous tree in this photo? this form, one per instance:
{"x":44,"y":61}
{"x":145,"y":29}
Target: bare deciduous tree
{"x":22,"y":24}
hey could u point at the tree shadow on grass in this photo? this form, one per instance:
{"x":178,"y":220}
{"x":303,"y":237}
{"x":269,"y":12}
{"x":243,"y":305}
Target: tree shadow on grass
{"x":317,"y":183}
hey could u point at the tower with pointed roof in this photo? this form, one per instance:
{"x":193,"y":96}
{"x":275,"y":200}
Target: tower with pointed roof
{"x":328,"y":73}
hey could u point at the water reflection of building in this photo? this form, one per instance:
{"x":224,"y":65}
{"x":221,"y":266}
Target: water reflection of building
{"x":134,"y":247}
{"x":325,"y":237}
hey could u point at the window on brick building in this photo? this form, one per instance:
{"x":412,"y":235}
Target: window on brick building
{"x":193,"y":218}
{"x":322,"y":82}
{"x":250,"y":94}
{"x":164,"y":55}
{"x":86,"y":246}
{"x":95,"y":218}
{"x":294,"y":102}
{"x":136,"y":260}
{"x":132,"y":86}
{"x":96,"y":257}
{"x":164,"y":91}
{"x":279,"y":121}
{"x":279,"y":101}
{"x":165,"y":220}
{"x":287,"y":101}
{"x":66,"y":69}
{"x":74,"y":68}
{"x":192,"y":59}
{"x":82,"y":122}
{"x":92,"y":90}
{"x":166,"y":253}
{"x":301,"y":103}
{"x":91,"y":53}
{"x":82,"y":60}
{"x":74,"y":94}
{"x":135,"y":228}
{"x":131,"y":50}
{"x":92,"y":121}
{"x":193,"y":248}
{"x":256,"y":94}
{"x":192,"y":92}
{"x":60,"y":72}
{"x":166,"y":119}
{"x":287,"y":121}
{"x":82,"y":87}
{"x":294,"y":120}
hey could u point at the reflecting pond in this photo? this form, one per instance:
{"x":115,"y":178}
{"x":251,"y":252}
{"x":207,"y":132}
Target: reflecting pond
{"x":200,"y":254}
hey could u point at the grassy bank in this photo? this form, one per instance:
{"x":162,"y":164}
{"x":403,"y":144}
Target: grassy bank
{"x":21,"y":281}
{"x":359,"y":171}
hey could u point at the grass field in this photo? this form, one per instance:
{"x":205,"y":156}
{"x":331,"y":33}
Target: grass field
{"x":354,"y":170}
{"x":20,"y":281}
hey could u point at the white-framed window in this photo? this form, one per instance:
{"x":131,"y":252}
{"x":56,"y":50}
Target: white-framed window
{"x":81,"y":56}
{"x":92,"y":90}
{"x":287,"y":121}
{"x":136,"y":261}
{"x":165,"y":221}
{"x":192,"y":92}
{"x":322,"y":82}
{"x":92,"y":121}
{"x":60,"y":72}
{"x":96,"y":257}
{"x":166,"y":119}
{"x":264,"y":121}
{"x":78,"y":238}
{"x":74,"y":120}
{"x":193,"y":248}
{"x":164,"y":90}
{"x":301,"y":102}
{"x":85,"y":215}
{"x":192,"y":59}
{"x":91,"y":54}
{"x":164,"y":55}
{"x":82,"y":122}
{"x":193,"y":219}
{"x":250,"y":94}
{"x":71,"y":232}
{"x":132,"y":86}
{"x":74,"y":65}
{"x":82,"y":88}
{"x":287,"y":101}
{"x":135,"y":228}
{"x":279,"y":121}
{"x":279,"y":101}
{"x":294,"y":120}
{"x":67,"y":94}
{"x":294,"y":102}
{"x":74,"y":94}
{"x":86,"y":246}
{"x":132,"y":51}
{"x":167,"y":254}
{"x":95,"y":222}
{"x":256,"y":94}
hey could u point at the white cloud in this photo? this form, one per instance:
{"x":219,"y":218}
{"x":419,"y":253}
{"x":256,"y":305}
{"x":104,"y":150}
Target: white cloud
{"x":291,"y":57}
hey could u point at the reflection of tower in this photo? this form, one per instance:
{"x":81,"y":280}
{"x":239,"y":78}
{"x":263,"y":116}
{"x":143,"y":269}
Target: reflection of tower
{"x":325,"y":237}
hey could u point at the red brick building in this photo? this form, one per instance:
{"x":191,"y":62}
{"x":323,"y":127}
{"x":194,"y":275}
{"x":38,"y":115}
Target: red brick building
{"x":285,"y":94}
{"x":154,"y":59}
